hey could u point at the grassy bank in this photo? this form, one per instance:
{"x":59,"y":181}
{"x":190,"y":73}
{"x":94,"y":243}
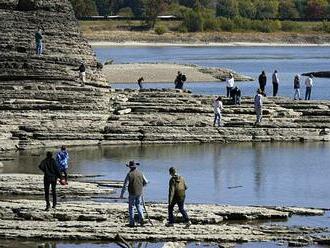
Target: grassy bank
{"x":231,"y":31}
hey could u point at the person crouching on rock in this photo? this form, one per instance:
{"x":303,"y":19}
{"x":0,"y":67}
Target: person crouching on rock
{"x":51,"y":174}
{"x":140,"y":80}
{"x":217,"y":107}
{"x":176,"y":196}
{"x":62,"y":161}
{"x":179,"y":80}
{"x":135,"y":181}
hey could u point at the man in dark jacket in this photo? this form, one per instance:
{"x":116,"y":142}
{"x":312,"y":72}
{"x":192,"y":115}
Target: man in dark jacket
{"x":51,"y":174}
{"x":135,"y":181}
{"x":176,"y":195}
{"x":262,"y":82}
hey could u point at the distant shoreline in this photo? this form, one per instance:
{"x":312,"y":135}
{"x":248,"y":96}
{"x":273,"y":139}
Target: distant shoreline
{"x":199,"y":44}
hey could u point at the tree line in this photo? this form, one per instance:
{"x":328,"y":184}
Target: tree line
{"x":252,"y":9}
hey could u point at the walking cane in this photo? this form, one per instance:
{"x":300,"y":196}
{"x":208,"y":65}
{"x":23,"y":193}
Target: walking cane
{"x":145,"y":209}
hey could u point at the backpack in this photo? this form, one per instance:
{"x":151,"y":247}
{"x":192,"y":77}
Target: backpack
{"x":180,"y":187}
{"x":183,"y":78}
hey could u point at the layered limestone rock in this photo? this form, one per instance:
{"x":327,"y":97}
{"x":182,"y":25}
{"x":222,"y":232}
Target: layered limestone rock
{"x":41,"y":100}
{"x":150,"y":117}
{"x":88,"y":220}
{"x":104,"y":221}
{"x":173,"y":116}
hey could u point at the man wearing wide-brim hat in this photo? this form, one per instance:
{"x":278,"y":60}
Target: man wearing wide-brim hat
{"x":135,"y":181}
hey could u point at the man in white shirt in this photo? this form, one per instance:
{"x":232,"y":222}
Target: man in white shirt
{"x":258,"y":106}
{"x":217,"y":107}
{"x":276,"y":81}
{"x":309,"y":85}
{"x":230,"y":83}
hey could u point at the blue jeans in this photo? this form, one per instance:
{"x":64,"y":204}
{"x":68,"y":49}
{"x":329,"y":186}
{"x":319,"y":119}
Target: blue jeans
{"x":181,"y":209}
{"x":217,"y":119}
{"x":39,"y":48}
{"x":137,"y":201}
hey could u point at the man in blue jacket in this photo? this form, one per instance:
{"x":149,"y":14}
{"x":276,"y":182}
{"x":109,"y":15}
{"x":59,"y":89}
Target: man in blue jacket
{"x":62,"y":158}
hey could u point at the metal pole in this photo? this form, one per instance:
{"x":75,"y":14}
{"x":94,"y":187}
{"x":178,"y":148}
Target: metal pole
{"x":145,"y":209}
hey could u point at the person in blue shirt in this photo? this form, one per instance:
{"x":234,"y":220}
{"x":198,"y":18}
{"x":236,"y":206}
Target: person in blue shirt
{"x":62,"y":158}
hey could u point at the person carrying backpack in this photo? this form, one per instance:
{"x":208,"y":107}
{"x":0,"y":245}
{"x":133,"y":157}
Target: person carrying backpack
{"x":179,"y":80}
{"x":176,"y":196}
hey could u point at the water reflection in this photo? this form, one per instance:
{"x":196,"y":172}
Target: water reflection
{"x":265,"y":174}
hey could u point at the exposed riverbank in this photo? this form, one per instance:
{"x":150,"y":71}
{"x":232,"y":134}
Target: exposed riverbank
{"x":105,"y":37}
{"x":165,"y":72}
{"x":87,"y":220}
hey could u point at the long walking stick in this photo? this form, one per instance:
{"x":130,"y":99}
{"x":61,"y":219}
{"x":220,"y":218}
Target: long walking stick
{"x":145,"y":209}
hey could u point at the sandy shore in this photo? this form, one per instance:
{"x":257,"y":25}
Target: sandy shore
{"x":201,"y":44}
{"x":165,"y":72}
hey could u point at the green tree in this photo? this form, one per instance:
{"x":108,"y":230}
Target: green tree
{"x":317,"y":8}
{"x":193,"y":20}
{"x":287,"y":9}
{"x":152,"y":9}
{"x":103,"y":7}
{"x":84,"y":7}
{"x":301,"y":6}
{"x":227,"y":8}
{"x":247,"y":9}
{"x":266,"y":9}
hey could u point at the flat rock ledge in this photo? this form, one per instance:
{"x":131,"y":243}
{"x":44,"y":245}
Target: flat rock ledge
{"x":27,"y":185}
{"x":25,"y":218}
{"x":152,"y":116}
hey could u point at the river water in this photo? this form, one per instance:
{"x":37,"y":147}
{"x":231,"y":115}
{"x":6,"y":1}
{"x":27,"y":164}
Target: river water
{"x":247,"y":60}
{"x":289,"y":174}
{"x":242,"y":174}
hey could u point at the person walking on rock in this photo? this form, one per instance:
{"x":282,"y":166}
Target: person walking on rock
{"x":230,"y":84}
{"x":309,"y":86}
{"x":38,"y":38}
{"x":176,"y":196}
{"x":296,"y":87}
{"x":82,"y":73}
{"x":262,"y":82}
{"x":258,"y":106}
{"x":217,"y":107}
{"x":140,"y":80}
{"x":62,"y":161}
{"x":276,"y":82}
{"x":51,"y":174}
{"x":179,"y":80}
{"x":135,"y":181}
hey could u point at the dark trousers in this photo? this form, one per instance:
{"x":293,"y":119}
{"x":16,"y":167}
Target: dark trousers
{"x":275,"y":89}
{"x":181,"y":209}
{"x":47,"y":183}
{"x":65,"y":175}
{"x":262,"y":87}
{"x":308,"y":93}
{"x":228,"y":91}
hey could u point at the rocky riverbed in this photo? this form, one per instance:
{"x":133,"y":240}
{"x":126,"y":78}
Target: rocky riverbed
{"x":88,"y":220}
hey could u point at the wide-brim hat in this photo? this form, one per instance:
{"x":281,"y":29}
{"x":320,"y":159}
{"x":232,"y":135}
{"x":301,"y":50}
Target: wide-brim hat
{"x":132,"y":164}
